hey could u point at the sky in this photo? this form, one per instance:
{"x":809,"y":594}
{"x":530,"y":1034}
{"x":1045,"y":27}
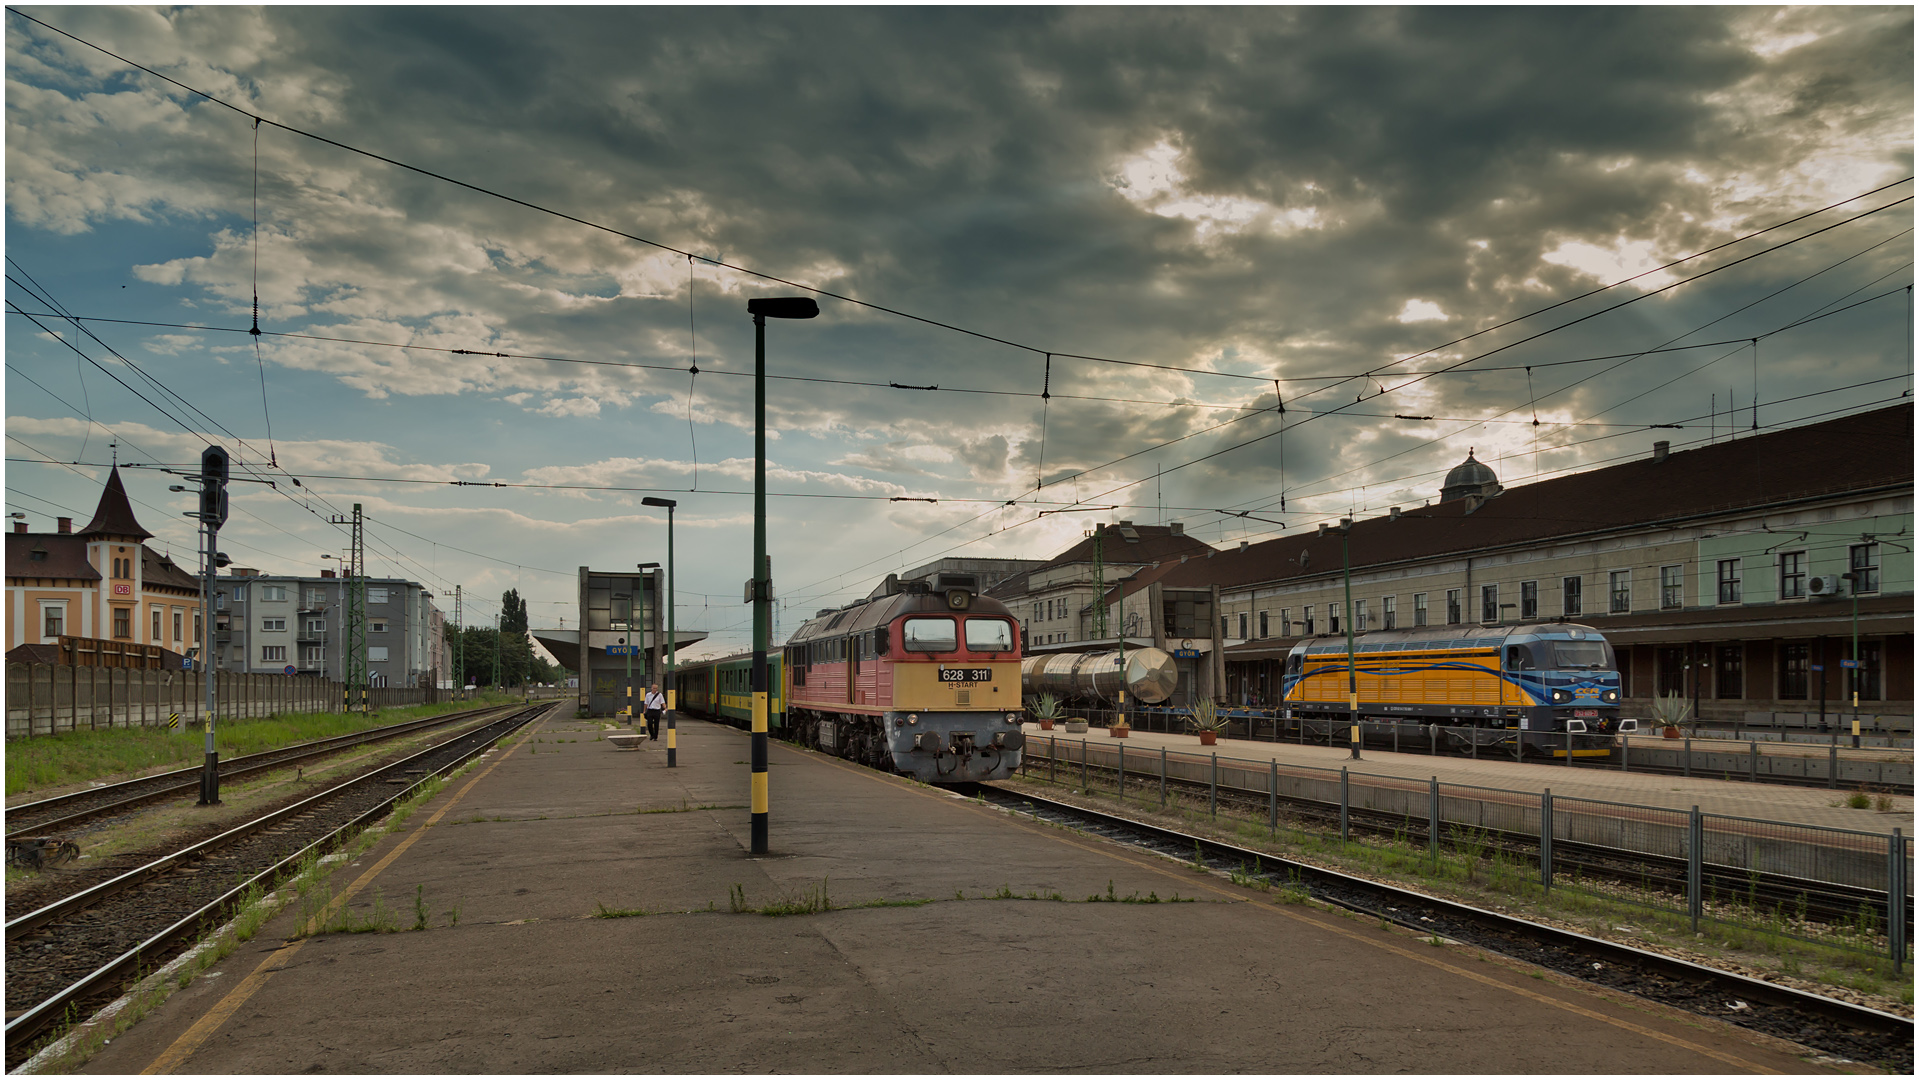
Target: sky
{"x":1247,"y":269}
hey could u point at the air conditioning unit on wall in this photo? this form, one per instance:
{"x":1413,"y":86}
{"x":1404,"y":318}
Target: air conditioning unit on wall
{"x":1824,"y":584}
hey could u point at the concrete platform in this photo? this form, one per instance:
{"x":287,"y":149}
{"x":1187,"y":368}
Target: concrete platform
{"x":984,"y":972}
{"x":1766,"y":802}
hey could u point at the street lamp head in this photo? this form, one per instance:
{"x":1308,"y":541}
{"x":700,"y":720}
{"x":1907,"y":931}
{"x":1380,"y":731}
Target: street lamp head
{"x":783,"y":307}
{"x":649,"y":566}
{"x":652,"y":501}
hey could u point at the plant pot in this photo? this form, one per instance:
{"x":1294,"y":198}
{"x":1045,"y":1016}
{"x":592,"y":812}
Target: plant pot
{"x":1119,"y":731}
{"x":1670,"y":732}
{"x":1208,"y":738}
{"x":1046,"y":723}
{"x":1076,"y":727}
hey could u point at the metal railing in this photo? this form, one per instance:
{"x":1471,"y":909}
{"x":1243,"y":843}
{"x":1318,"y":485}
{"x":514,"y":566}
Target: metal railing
{"x":1735,"y":870}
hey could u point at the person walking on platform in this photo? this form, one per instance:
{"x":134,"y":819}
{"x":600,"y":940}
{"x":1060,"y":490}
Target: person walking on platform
{"x":654,"y":706}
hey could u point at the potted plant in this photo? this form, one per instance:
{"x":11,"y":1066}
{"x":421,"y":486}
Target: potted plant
{"x":1203,"y":717}
{"x":1672,"y":712}
{"x":1046,"y":709}
{"x":1075,"y":725}
{"x":1119,"y":728}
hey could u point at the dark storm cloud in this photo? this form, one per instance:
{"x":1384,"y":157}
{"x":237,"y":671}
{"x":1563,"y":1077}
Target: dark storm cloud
{"x":1274,"y":192}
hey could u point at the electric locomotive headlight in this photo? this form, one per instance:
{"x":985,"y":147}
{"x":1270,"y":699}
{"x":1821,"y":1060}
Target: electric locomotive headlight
{"x":1609,"y":695}
{"x":1560,"y":697}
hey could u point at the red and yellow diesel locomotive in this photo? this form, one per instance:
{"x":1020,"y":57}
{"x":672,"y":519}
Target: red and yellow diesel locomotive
{"x":923,"y":680}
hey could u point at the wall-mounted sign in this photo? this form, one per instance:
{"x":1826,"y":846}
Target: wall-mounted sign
{"x":122,"y":589}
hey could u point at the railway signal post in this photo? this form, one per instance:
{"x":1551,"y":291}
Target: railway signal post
{"x":212,"y":515}
{"x":761,"y":586}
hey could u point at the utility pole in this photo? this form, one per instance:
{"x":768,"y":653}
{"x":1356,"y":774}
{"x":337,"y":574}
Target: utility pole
{"x":353,"y":669}
{"x":212,"y":515}
{"x":459,"y":647}
{"x":1352,"y":675}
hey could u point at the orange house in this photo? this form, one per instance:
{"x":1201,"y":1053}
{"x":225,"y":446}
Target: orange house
{"x":101,"y":582}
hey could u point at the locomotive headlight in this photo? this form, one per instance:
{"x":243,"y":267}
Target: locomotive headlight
{"x":1609,"y":695}
{"x":912,"y":718}
{"x":1562,"y":696}
{"x":1012,"y":718}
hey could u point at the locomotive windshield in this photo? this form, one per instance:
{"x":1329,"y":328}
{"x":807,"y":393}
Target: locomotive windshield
{"x":931,"y":635}
{"x":1596,"y":655}
{"x":988,"y":635}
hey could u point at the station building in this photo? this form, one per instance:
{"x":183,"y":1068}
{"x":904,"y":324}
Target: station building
{"x":1731,"y":574}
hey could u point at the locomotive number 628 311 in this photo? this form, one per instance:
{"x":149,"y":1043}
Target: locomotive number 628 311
{"x":966,"y":674}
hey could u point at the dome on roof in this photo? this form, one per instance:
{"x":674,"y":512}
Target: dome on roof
{"x":1469,"y":477}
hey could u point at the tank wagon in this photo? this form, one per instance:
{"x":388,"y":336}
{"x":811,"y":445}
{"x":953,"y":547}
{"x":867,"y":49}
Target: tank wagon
{"x":1149,"y":678}
{"x":1490,"y":685}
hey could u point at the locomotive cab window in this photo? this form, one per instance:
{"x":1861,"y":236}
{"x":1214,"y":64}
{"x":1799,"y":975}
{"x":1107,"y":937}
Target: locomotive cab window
{"x":989,"y":635}
{"x":1594,"y":655}
{"x":1519,"y":658}
{"x":930,"y":635}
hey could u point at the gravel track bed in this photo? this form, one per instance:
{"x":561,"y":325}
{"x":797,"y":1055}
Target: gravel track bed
{"x":1814,"y":1030}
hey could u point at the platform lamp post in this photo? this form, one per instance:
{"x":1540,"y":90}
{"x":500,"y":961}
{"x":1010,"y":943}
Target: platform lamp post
{"x":1352,"y":674}
{"x":672,"y":646}
{"x":761,"y":585}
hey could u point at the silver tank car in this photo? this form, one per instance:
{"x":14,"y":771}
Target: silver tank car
{"x":1149,"y":679}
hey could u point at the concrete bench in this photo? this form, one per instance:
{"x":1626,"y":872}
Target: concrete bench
{"x":627,"y":741}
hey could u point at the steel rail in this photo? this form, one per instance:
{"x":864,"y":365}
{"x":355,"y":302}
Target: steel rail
{"x":1389,"y":896}
{"x":140,"y":789}
{"x":34,"y":1021}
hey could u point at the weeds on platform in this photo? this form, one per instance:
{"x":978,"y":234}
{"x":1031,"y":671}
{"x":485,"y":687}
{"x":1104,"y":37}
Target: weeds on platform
{"x":601,"y":911}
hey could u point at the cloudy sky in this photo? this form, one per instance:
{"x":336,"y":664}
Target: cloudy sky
{"x":1201,"y":214}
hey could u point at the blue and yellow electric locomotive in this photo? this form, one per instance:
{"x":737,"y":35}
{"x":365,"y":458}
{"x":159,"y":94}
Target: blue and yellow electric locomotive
{"x":1486,"y":684}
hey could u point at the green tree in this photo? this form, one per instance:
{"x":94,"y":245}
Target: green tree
{"x":513,"y":618}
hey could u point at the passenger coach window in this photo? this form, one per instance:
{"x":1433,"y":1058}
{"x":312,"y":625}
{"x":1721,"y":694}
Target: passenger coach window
{"x":931,"y":635}
{"x":989,"y":635}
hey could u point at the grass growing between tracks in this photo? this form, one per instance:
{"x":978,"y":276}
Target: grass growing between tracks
{"x":53,"y":761}
{"x":1739,"y":932}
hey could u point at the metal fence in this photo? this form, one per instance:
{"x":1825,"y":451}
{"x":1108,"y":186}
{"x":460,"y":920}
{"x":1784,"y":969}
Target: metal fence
{"x":1724,"y":860}
{"x":1835,"y":764}
{"x":49,"y":699}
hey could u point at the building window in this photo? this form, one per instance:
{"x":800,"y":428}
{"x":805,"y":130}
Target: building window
{"x":1419,"y":609}
{"x":1795,"y":667}
{"x":378,"y":652}
{"x":1223,"y":632}
{"x":1865,"y":568}
{"x":1529,"y":599}
{"x":1332,"y":618}
{"x":1242,"y":626}
{"x":376,"y":626}
{"x":1454,"y":601}
{"x":156,"y":627}
{"x":1569,"y":595}
{"x":1672,"y":586}
{"x":1489,"y":603}
{"x":1865,"y":678}
{"x":219,"y":601}
{"x":1729,"y":581}
{"x":1359,"y":616}
{"x":198,"y":633}
{"x":273,"y":593}
{"x":1307,"y":615}
{"x":273,"y":624}
{"x":1792,"y":575}
{"x":376,"y":594}
{"x":1621,"y":589}
{"x":122,"y":622}
{"x":1389,"y":613}
{"x":54,"y":620}
{"x":1671,"y":676}
{"x":1285,"y":622}
{"x":273,"y":654}
{"x":1264,"y":629}
{"x":316,"y":627}
{"x":316,"y":656}
{"x":1729,"y":672}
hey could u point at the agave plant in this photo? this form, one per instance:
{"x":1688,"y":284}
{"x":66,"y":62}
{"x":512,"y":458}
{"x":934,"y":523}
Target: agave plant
{"x":1203,"y":715}
{"x":1045,"y":707}
{"x":1672,"y":711}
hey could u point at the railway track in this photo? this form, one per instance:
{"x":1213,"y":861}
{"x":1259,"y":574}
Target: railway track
{"x":1819,"y":901}
{"x":48,"y":816}
{"x":69,"y":957}
{"x":1824,"y":1024}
